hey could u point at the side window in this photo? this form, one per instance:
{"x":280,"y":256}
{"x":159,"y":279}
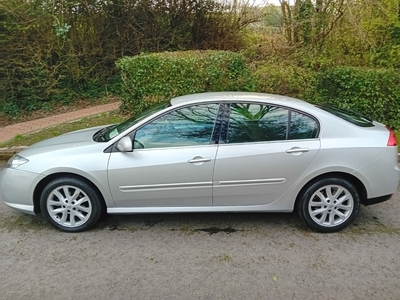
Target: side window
{"x":189,"y":126}
{"x":302,"y":127}
{"x":257,"y":123}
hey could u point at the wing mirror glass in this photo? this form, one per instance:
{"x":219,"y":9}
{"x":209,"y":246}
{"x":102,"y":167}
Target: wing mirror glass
{"x":125,"y":144}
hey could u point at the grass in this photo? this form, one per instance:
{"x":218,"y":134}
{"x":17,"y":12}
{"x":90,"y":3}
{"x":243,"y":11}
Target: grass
{"x":31,"y":138}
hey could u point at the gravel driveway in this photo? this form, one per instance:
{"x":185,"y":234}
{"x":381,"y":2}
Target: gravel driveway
{"x":202,"y":256}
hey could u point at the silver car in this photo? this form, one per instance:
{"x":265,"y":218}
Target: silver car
{"x":211,"y":152}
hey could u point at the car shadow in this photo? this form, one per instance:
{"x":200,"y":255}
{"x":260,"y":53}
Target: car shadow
{"x":209,"y":223}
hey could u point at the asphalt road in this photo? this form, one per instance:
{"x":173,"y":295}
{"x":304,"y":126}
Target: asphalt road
{"x":202,"y":256}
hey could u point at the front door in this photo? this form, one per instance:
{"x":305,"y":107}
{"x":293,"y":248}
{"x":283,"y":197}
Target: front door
{"x":172,"y":162}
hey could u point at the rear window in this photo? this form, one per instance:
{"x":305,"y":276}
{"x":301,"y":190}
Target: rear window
{"x":348,"y":115}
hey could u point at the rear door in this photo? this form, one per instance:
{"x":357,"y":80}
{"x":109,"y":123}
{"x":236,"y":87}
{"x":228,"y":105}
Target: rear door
{"x":265,"y":149}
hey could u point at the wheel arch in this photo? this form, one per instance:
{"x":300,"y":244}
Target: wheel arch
{"x":351,"y":178}
{"x":45,"y":181}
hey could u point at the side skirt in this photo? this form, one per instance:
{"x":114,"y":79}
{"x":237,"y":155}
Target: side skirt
{"x":252,"y":208}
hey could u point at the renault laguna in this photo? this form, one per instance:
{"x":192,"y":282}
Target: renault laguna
{"x":211,"y":152}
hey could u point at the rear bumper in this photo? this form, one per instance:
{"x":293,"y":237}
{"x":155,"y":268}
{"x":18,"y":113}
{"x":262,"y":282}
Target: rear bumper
{"x":381,"y":176}
{"x":377,"y":200}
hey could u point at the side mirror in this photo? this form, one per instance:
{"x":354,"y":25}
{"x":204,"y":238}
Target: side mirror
{"x":125,"y":144}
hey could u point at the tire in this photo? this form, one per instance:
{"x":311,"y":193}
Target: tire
{"x":70,"y":204}
{"x":329,"y":205}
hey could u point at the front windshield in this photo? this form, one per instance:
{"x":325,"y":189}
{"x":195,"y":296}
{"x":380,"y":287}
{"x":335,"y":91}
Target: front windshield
{"x":107,"y":133}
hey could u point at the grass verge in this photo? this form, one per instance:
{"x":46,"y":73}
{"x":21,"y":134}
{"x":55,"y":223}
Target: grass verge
{"x":34,"y":137}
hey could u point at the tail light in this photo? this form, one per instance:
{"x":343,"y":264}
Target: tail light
{"x":392,"y":138}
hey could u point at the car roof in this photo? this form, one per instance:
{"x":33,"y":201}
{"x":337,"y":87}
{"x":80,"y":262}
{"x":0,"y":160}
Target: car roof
{"x":239,"y":96}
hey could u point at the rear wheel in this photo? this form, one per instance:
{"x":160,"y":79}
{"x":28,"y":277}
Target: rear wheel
{"x":71,"y":204}
{"x":329,"y":205}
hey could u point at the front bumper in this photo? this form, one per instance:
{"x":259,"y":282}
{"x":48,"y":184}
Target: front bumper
{"x":17,"y":187}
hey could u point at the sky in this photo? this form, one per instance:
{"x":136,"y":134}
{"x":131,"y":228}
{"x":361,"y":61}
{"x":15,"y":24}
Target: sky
{"x":264,"y":2}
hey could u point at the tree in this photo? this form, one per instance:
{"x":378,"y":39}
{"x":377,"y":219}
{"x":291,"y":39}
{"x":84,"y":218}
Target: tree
{"x":307,"y":22}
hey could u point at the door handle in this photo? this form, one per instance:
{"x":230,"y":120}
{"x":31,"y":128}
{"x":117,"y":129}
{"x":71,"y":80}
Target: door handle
{"x":199,"y":160}
{"x":297,"y":150}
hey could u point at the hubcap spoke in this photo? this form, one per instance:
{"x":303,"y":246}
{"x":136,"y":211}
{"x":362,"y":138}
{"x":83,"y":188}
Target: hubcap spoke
{"x":344,"y":207}
{"x":329,"y":192}
{"x":343,"y":199}
{"x":54,"y":203}
{"x":80,"y":201}
{"x":340,"y":215}
{"x":84,"y":209}
{"x":59,"y":196}
{"x":72,"y":218}
{"x":323,"y":218}
{"x":76,"y":194}
{"x":79,"y":215}
{"x":332,"y":218}
{"x":321,"y":196}
{"x":318,"y":211}
{"x":66,"y":193}
{"x":58,"y":210}
{"x":338,"y":192}
{"x":64,"y":217}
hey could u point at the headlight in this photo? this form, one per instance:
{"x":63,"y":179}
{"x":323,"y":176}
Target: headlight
{"x":16,"y":161}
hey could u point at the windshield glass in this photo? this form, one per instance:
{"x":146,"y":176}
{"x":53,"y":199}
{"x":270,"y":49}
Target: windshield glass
{"x":109,"y":132}
{"x":348,"y":115}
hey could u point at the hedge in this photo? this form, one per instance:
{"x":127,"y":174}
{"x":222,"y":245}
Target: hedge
{"x":286,"y":79}
{"x":149,"y":79}
{"x":373,"y":92}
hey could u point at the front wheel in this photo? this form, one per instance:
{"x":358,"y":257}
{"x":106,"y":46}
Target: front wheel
{"x":71,"y":204}
{"x":329,"y":205}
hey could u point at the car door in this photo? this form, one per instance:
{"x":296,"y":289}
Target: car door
{"x":172,"y":161}
{"x":265,"y":150}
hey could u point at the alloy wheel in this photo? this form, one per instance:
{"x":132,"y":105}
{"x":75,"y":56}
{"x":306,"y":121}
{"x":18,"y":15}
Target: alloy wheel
{"x":331,"y":205}
{"x":69,"y":206}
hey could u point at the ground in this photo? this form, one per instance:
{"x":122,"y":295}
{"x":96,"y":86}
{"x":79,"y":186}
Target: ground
{"x":202,"y":256}
{"x":55,"y":108}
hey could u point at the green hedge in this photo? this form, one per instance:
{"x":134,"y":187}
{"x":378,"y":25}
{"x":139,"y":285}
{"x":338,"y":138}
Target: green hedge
{"x":287,"y":79}
{"x":373,"y":92}
{"x":149,"y":79}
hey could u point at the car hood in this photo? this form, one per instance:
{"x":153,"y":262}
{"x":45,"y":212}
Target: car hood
{"x":66,"y":141}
